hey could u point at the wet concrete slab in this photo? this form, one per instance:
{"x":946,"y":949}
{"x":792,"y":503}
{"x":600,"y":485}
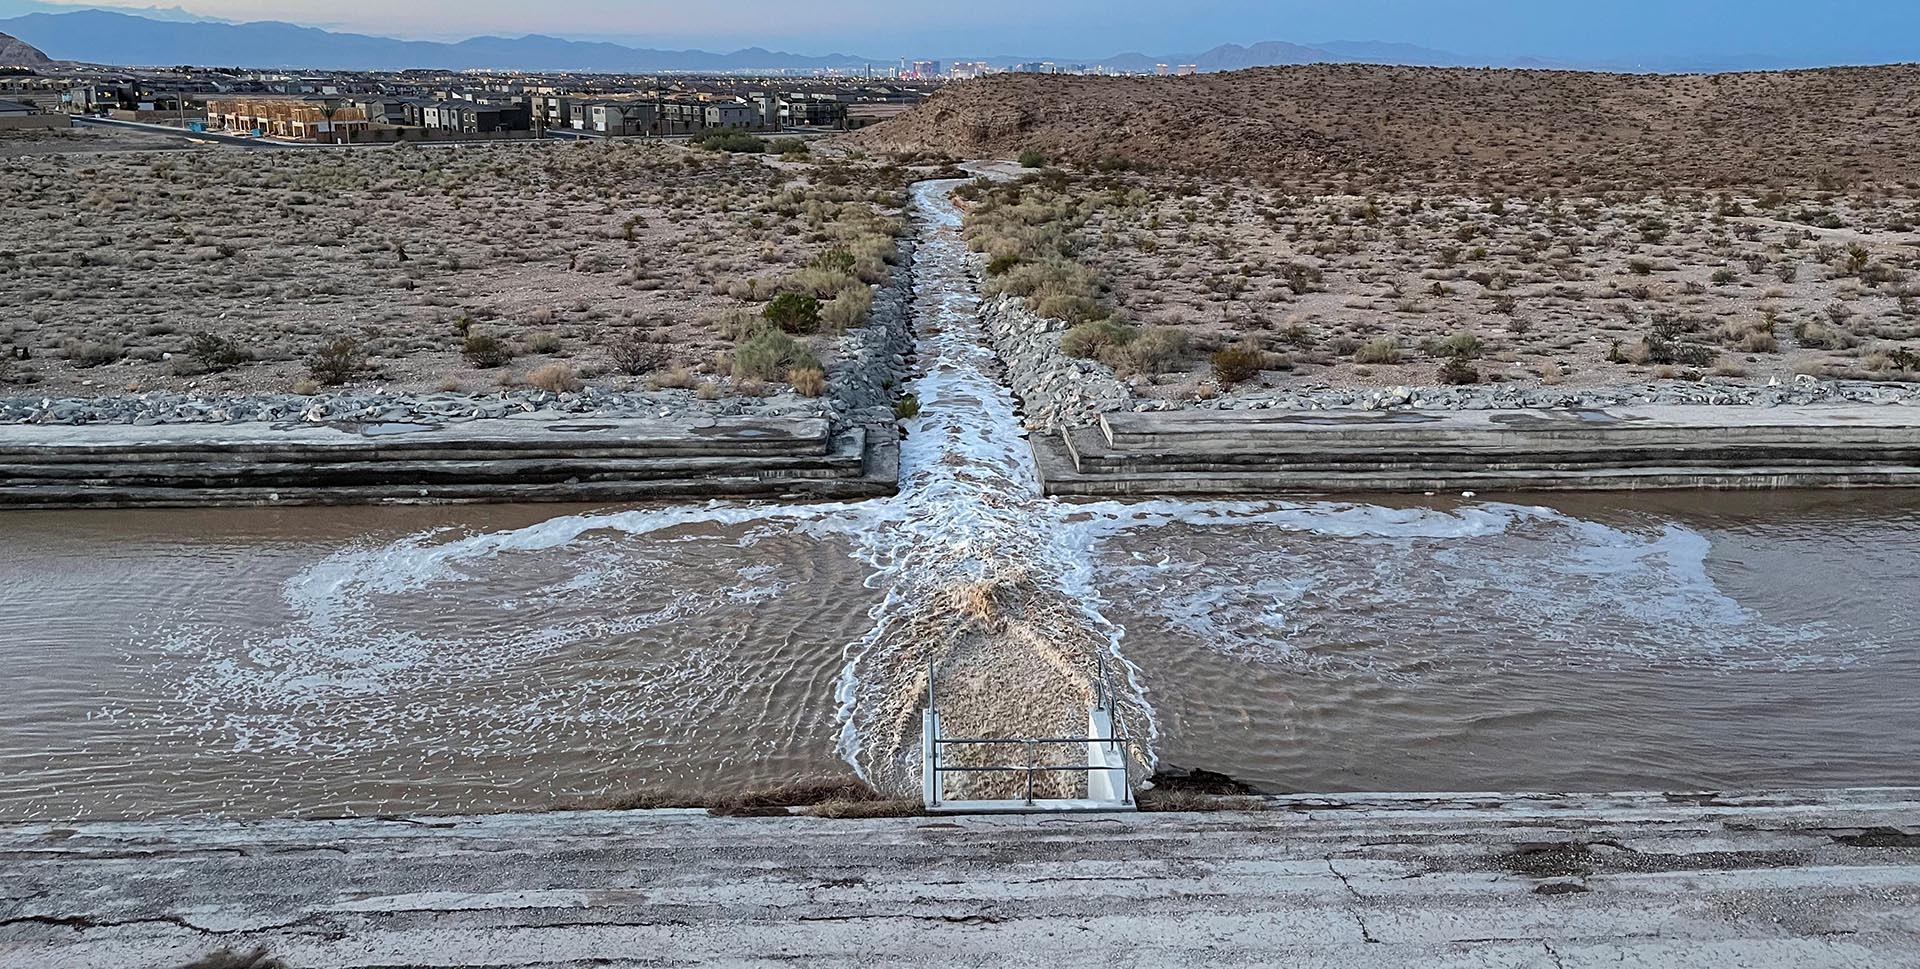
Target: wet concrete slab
{"x":1268,"y":452}
{"x":1813,"y":879}
{"x":188,"y":465}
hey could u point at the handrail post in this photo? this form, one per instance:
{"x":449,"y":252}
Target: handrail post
{"x":1029,"y":746}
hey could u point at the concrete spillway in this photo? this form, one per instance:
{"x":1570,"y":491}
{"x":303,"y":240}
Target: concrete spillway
{"x":503,"y":460}
{"x":1255,"y":452}
{"x":1810,"y":879}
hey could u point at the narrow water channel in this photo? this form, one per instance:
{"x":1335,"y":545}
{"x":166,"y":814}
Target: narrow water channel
{"x":377,"y":660}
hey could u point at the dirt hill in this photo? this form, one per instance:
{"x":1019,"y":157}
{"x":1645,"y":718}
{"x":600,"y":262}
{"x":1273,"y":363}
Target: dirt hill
{"x":15,"y":52}
{"x":1360,"y":126}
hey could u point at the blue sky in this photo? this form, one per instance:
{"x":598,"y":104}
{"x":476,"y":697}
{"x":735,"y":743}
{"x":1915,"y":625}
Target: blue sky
{"x":1590,"y":31}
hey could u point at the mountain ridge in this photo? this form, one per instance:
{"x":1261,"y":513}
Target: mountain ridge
{"x":15,"y":52}
{"x":114,"y":37}
{"x":106,"y":37}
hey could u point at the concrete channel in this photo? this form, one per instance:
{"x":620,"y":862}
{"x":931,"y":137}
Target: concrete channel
{"x":1251,"y":453}
{"x":1809,"y":879}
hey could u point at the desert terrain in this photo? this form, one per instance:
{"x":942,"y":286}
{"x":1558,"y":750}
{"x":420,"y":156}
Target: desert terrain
{"x":1159,"y":275}
{"x":1340,"y":227}
{"x":445,"y":268}
{"x":22,"y":143}
{"x":1355,"y":129}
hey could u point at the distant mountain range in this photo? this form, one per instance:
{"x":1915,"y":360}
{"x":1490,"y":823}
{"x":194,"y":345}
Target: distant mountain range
{"x":155,"y":36}
{"x":166,"y":37}
{"x":104,"y":37}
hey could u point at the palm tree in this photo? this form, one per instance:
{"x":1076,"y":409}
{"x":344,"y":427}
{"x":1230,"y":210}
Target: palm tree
{"x":328,"y":108}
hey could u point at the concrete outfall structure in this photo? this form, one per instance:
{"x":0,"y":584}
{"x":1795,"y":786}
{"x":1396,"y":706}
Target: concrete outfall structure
{"x":1251,"y":453}
{"x":1809,"y":879}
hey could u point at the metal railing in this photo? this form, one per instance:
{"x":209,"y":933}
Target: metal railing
{"x":1103,"y":699}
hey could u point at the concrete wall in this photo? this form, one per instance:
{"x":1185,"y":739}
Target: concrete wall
{"x":34,"y":122}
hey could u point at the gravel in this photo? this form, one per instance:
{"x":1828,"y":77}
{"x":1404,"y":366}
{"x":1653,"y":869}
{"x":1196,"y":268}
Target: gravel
{"x":869,"y":365}
{"x":1062,"y":391}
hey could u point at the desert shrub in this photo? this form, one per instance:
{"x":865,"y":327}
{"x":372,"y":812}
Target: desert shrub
{"x":545,"y":342}
{"x":336,"y":361}
{"x":817,"y":282}
{"x":1300,"y":278}
{"x":486,"y":351}
{"x":768,"y":354}
{"x":1821,"y":336}
{"x":731,"y":141}
{"x":1456,"y":370}
{"x":836,"y":260}
{"x":87,"y":353}
{"x":793,"y":147}
{"x":907,"y":408}
{"x":555,"y":378}
{"x":1070,"y":307}
{"x":1238,"y":364}
{"x":1095,"y":340}
{"x":1667,"y":342}
{"x":211,"y":351}
{"x":1383,"y":350}
{"x":999,"y":265}
{"x":1033,"y":158}
{"x":634,"y":354}
{"x":793,"y":312}
{"x":848,"y":308}
{"x":808,"y":381}
{"x":1156,"y":349}
{"x":1463,"y":345}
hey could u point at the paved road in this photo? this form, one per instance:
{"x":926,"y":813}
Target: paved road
{"x":1808,"y":881}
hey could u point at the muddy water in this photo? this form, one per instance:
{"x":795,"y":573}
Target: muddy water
{"x":328,"y":661}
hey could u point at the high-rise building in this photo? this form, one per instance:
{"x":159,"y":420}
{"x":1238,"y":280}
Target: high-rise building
{"x":1186,"y":69}
{"x":1161,"y":69}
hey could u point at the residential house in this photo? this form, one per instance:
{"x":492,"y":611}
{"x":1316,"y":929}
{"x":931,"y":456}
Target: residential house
{"x":289,"y":118}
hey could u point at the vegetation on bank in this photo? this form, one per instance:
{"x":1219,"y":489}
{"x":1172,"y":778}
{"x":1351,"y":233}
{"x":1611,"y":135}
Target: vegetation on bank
{"x":1191,"y":287}
{"x":429,"y":269}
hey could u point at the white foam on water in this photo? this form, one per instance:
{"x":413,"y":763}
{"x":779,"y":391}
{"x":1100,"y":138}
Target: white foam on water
{"x":1370,"y":590}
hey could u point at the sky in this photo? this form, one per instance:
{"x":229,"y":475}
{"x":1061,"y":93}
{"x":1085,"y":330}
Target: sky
{"x":1622,"y":31}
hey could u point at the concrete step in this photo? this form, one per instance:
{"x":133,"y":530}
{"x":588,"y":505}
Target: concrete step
{"x":349,"y":442}
{"x":1238,"y":452}
{"x":1653,"y":426}
{"x":191,"y":465}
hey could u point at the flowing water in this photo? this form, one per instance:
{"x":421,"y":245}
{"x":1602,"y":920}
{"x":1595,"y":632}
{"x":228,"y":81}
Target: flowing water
{"x":379,"y":660}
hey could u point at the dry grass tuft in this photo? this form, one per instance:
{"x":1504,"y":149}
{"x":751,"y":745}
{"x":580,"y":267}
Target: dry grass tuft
{"x":555,"y":378}
{"x":849,"y":810}
{"x":1193,"y":802}
{"x":835,"y":797}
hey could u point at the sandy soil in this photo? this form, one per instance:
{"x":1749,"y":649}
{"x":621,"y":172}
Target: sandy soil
{"x":128,"y":272}
{"x":1385,"y":289}
{"x":1327,"y":129}
{"x":23,"y":143}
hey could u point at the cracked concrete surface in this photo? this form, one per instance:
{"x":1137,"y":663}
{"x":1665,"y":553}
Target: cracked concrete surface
{"x":1807,"y":879}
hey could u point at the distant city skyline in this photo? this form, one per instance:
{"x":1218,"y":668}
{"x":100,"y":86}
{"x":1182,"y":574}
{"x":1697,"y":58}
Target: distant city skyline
{"x":1621,"y":32}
